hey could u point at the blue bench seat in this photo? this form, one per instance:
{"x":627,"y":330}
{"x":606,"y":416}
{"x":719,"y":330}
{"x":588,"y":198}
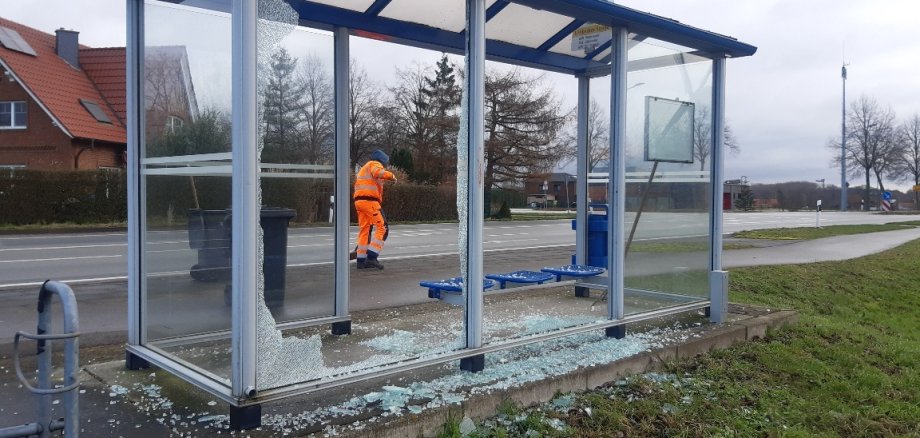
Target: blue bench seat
{"x":521,"y":277}
{"x":450,"y":290}
{"x":574,"y":271}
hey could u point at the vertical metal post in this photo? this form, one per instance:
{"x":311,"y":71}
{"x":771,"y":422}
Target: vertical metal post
{"x":134,"y":66}
{"x":476,"y":51}
{"x":617,"y":176}
{"x":718,"y":294}
{"x":843,"y":142}
{"x":582,"y":159}
{"x":245,"y":196}
{"x":342,"y":173}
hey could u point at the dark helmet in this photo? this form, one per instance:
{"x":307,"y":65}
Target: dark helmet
{"x":380,"y":156}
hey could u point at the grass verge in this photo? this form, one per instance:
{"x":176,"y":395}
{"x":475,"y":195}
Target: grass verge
{"x":807,"y":233}
{"x":849,"y":368}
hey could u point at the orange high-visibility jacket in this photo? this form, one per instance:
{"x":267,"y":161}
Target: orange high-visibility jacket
{"x":368,"y":184}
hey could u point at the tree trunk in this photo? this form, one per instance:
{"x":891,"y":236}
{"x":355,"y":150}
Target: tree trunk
{"x":866,"y":201}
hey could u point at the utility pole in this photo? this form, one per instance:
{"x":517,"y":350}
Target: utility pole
{"x":843,"y":142}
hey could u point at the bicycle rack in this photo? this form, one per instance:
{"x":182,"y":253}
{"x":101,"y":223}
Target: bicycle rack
{"x":45,"y":425}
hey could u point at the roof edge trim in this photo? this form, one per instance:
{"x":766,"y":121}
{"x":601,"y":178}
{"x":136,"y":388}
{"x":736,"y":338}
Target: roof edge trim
{"x":34,"y":97}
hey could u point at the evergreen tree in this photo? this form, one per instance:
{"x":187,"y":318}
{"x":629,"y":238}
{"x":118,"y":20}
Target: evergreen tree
{"x":282,"y":110}
{"x":402,"y":159}
{"x":745,"y":199}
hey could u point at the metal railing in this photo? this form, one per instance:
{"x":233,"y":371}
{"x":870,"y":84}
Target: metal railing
{"x":45,"y":390}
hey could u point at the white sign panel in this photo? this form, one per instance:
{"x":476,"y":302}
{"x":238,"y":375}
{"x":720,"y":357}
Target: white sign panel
{"x":589,"y":36}
{"x":668,"y":130}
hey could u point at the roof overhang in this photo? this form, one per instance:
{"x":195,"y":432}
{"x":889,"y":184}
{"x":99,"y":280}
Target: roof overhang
{"x":371,"y":19}
{"x":371,"y":23}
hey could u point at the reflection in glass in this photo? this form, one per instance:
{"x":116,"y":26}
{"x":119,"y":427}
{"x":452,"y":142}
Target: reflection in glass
{"x":667,"y":178}
{"x":186,"y":180}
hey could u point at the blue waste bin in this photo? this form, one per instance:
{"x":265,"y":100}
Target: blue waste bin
{"x":598,"y":227}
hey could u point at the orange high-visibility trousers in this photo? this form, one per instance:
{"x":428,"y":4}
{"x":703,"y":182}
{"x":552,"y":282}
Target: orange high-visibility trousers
{"x":370,"y":215}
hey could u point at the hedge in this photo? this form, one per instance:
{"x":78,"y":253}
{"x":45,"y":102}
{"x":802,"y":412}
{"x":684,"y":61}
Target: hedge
{"x":37,"y":197}
{"x":99,"y":196}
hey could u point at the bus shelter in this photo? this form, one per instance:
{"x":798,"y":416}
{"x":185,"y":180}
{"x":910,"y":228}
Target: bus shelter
{"x":233,"y":314}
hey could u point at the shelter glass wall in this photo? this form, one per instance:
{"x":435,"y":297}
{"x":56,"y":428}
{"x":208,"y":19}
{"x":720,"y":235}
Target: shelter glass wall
{"x":297,"y":155}
{"x":667,"y":176}
{"x":186,"y":185}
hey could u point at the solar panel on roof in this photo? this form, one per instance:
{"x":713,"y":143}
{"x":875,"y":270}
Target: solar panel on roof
{"x":11,"y":39}
{"x":97,"y":112}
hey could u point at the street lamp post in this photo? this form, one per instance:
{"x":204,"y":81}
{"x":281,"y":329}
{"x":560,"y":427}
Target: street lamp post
{"x":843,"y":142}
{"x":545,"y":187}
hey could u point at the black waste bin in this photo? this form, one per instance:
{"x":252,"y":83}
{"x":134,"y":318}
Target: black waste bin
{"x":274,"y":221}
{"x":209,"y":232}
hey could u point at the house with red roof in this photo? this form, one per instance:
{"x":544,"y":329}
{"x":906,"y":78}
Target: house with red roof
{"x":62,"y":104}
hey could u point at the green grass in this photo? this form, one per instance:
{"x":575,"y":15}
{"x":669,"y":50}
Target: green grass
{"x":849,"y":368}
{"x":808,"y":233}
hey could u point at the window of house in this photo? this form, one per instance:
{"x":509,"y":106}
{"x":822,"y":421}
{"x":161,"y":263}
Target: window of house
{"x":173,"y":123}
{"x":13,"y":115}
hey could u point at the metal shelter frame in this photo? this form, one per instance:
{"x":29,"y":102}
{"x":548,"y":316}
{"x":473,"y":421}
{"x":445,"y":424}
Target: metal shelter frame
{"x":610,"y":58}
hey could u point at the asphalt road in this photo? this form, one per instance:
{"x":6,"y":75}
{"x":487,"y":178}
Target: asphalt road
{"x":27,"y":260}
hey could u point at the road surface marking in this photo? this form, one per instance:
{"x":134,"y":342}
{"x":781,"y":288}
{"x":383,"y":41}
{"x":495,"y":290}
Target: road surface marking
{"x":60,"y":258}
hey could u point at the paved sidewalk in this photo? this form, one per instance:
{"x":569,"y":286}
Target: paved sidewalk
{"x":819,"y":250}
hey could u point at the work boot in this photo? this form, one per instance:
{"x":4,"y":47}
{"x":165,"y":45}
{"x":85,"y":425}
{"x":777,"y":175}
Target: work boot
{"x":372,"y":263}
{"x":361,"y":264}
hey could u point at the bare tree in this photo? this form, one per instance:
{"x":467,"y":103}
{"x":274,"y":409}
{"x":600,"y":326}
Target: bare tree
{"x":909,"y":163}
{"x":418,"y":117}
{"x":363,"y":117}
{"x":523,"y":119}
{"x":869,"y":127}
{"x":598,"y":138}
{"x":702,"y":137}
{"x":318,"y":111}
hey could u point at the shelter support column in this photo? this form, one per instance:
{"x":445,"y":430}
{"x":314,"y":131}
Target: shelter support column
{"x":582,"y":160}
{"x":342,"y":172}
{"x":134,"y":68}
{"x":245,"y":207}
{"x":617,"y":182}
{"x":476,"y":54}
{"x":718,"y":279}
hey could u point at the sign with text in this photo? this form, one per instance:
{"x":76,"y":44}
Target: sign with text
{"x":589,"y":36}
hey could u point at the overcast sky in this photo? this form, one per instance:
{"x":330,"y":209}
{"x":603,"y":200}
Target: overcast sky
{"x":783,"y":103}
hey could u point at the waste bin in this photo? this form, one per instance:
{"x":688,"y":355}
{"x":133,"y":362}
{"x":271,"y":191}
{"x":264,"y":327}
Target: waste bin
{"x":211,"y":231}
{"x":597,"y":237}
{"x":274,"y":223}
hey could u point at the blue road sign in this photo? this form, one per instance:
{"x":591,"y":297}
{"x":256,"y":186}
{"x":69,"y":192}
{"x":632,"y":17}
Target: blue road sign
{"x":886,"y":195}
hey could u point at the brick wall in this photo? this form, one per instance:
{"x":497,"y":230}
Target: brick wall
{"x":44,"y":146}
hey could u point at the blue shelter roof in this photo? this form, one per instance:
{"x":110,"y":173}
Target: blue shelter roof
{"x":534,"y":33}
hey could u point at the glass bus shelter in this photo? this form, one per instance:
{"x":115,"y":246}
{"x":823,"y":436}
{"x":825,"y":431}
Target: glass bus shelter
{"x":216,"y":295}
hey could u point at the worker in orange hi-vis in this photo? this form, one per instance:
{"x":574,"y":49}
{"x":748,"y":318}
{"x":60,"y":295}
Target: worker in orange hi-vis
{"x":368,"y":197}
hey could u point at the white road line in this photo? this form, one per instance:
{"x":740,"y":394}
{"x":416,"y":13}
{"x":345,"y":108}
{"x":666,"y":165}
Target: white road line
{"x":60,"y":258}
{"x":43,"y":248}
